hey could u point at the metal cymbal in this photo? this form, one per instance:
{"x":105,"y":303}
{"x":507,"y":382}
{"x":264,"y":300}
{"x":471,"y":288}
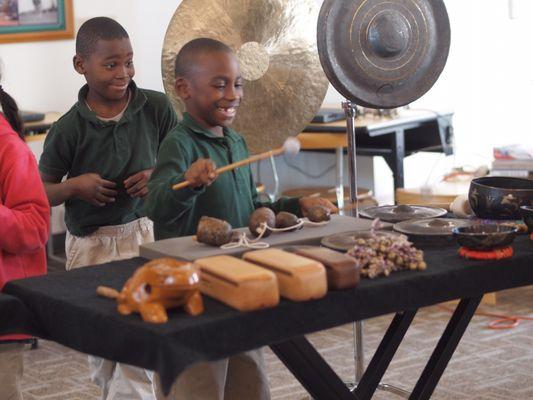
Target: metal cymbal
{"x":382,"y":53}
{"x":275,"y":42}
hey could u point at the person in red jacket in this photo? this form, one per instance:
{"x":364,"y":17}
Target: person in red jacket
{"x":24,"y":227}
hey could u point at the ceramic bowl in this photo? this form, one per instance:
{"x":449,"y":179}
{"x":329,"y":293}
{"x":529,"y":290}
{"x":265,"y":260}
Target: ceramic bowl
{"x":527,"y":216}
{"x":500,"y":197}
{"x":485,"y":236}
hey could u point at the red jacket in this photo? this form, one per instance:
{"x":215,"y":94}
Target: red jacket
{"x":24,"y":210}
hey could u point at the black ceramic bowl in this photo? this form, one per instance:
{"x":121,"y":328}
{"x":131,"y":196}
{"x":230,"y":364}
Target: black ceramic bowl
{"x":527,"y":216}
{"x":500,"y":197}
{"x":485,"y":236}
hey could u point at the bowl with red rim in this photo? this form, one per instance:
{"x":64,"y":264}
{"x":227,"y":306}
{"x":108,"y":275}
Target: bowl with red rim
{"x":485,"y":236}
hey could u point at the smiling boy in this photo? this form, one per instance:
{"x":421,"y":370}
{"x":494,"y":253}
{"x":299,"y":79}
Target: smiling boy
{"x":209,"y":82}
{"x":106,"y":146}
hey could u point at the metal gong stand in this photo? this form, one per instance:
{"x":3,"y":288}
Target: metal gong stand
{"x":380,"y":54}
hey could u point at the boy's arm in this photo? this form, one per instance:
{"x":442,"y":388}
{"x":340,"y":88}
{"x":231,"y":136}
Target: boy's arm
{"x":56,"y":161}
{"x":137,"y":184}
{"x":289,"y":204}
{"x":174,"y":165}
{"x":295,"y":205}
{"x":89,"y":187}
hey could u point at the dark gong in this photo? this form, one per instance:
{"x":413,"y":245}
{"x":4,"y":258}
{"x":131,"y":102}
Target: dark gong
{"x":382,"y":53}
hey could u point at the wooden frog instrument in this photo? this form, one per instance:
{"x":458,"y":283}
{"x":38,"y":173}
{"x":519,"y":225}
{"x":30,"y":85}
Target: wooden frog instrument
{"x":156,"y":286}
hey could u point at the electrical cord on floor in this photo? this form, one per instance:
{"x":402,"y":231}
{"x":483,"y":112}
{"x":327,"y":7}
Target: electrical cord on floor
{"x":502,"y":322}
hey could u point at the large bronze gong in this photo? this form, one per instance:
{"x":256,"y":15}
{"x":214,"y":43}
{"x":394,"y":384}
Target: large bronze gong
{"x":383,"y":53}
{"x":275,"y":41}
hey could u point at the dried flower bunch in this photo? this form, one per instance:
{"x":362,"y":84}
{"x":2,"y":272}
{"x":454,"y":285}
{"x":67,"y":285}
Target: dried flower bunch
{"x":379,"y":255}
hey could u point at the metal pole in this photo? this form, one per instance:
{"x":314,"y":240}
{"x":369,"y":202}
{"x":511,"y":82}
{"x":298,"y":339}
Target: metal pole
{"x":339,"y":184}
{"x":350,"y":111}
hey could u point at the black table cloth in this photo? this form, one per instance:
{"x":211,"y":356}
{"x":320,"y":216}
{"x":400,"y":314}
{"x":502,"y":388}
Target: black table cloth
{"x":15,"y":317}
{"x":66,"y":309}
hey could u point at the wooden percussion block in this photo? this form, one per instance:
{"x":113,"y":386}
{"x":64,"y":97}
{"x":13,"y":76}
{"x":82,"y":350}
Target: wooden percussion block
{"x":299,"y":278}
{"x":341,"y":269}
{"x":237,"y":283}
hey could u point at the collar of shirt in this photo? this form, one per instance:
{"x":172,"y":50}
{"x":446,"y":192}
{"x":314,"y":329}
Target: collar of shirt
{"x":189,"y":122}
{"x":137,"y":101}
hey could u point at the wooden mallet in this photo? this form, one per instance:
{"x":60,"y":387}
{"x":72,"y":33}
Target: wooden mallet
{"x":291,"y":147}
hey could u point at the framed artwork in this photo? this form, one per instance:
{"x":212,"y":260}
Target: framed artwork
{"x":32,"y":20}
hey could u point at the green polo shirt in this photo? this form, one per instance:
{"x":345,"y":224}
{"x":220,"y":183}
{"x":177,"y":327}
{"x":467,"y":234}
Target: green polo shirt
{"x":231,"y":197}
{"x":80,"y":143}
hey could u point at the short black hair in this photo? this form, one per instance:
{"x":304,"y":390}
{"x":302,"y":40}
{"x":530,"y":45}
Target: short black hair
{"x":185,"y":58}
{"x":95,"y":29}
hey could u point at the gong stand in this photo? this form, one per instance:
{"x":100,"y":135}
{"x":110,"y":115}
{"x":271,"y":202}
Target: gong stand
{"x":380,"y":54}
{"x":350,"y":111}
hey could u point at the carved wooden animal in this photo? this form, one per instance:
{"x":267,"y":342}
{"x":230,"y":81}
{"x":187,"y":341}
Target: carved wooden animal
{"x":156,"y":286}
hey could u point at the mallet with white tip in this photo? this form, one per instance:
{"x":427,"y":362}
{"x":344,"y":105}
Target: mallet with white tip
{"x":291,"y":147}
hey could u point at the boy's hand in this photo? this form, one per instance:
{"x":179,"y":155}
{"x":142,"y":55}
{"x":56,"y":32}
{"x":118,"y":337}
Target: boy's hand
{"x":306,"y":203}
{"x":136,"y":185}
{"x":93,"y":189}
{"x":202,"y":172}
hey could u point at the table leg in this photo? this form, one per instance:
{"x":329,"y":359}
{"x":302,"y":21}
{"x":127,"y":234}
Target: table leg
{"x":358,"y":350}
{"x":398,"y":142}
{"x":274,"y":196}
{"x":50,"y":254}
{"x":311,"y":370}
{"x":395,"y":160}
{"x":384,"y":354}
{"x":445,"y":348}
{"x":339,"y":179}
{"x":446,"y":134}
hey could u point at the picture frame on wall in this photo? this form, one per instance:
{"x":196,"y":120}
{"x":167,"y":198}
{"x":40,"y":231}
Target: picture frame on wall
{"x":35,"y":20}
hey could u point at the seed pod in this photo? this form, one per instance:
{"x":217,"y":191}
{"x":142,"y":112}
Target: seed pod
{"x":259,"y":216}
{"x":319,"y":214}
{"x":213,"y":231}
{"x":285,"y":220}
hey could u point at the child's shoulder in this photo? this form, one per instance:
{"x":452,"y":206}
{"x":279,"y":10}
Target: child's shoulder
{"x":68,"y":121}
{"x":154,"y":97}
{"x":180,"y":133}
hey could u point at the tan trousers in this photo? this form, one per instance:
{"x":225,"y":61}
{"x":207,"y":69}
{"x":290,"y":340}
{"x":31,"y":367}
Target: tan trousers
{"x":240,"y":377}
{"x":10,"y":370}
{"x":111,"y":243}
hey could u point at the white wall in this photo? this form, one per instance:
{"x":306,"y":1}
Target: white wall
{"x":487,"y":80}
{"x":40,"y":75}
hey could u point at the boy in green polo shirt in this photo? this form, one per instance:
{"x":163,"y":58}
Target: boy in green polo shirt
{"x":209,"y":82}
{"x":106,"y":145}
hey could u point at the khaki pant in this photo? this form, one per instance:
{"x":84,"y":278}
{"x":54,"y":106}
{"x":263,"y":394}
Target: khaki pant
{"x":111,"y":243}
{"x":10,"y":370}
{"x":108,"y":243}
{"x":240,"y":377}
